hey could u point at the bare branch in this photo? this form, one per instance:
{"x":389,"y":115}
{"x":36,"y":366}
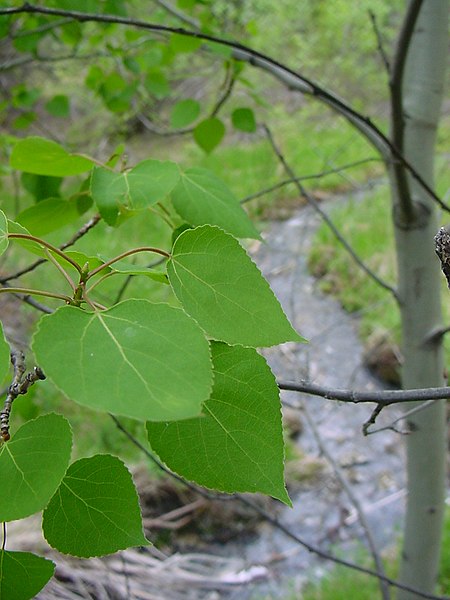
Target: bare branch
{"x":312,"y":201}
{"x":408,"y":413}
{"x":280,"y":71}
{"x":320,"y":175}
{"x":380,"y":45}
{"x":382,"y":397}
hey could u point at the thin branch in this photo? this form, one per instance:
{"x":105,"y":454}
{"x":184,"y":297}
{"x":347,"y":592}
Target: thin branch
{"x":353,"y":499}
{"x":79,"y":234}
{"x":380,"y":44}
{"x":178,"y":14}
{"x":311,"y":200}
{"x":60,"y":268}
{"x":33,"y":292}
{"x":286,"y":75}
{"x":391,"y":426}
{"x":320,"y":175}
{"x":372,"y":419}
{"x":382,"y":397}
{"x":397,"y":112}
{"x":25,"y":236}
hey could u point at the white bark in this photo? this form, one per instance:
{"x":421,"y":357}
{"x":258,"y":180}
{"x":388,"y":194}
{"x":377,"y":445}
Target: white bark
{"x":419,"y":291}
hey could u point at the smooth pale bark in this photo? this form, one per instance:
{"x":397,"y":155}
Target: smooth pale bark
{"x":420,"y":305}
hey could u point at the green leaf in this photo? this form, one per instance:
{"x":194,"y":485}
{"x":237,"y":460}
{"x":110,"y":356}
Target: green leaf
{"x":48,"y":215}
{"x":32,"y":465}
{"x":137,"y":359}
{"x":4,"y":356}
{"x":244,"y":120}
{"x":3,"y":232}
{"x":184,"y":43}
{"x":41,"y":186}
{"x":157,"y":84}
{"x":209,"y":133}
{"x":129,"y":269}
{"x":201,"y":198}
{"x":237,"y":444}
{"x":58,"y":106}
{"x":222,"y":289}
{"x":95,"y":511}
{"x":184,"y":113}
{"x":23,"y":574}
{"x":45,"y":157}
{"x":148,"y":182}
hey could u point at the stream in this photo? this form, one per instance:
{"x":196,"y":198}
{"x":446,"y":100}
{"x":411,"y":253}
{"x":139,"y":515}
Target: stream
{"x":323,"y":515}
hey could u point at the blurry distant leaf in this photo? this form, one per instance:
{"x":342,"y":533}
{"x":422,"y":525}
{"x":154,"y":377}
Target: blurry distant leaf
{"x":115,"y":7}
{"x":209,"y":133}
{"x":184,"y":43}
{"x":147,"y":183}
{"x":23,"y":574}
{"x":24,"y":120}
{"x":151,"y":58}
{"x":94,"y":77}
{"x":58,"y":106}
{"x":3,"y":232}
{"x":45,"y":157}
{"x":201,"y":198}
{"x":220,"y":49}
{"x":41,"y":186}
{"x":48,"y":215}
{"x":184,"y":113}
{"x":156,"y":83}
{"x":95,"y":511}
{"x":244,"y":120}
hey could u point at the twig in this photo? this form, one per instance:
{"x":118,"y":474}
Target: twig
{"x":353,"y":499}
{"x":373,"y":417}
{"x":19,"y":386}
{"x":320,"y":175}
{"x":311,"y":200}
{"x":380,"y":44}
{"x":79,"y":234}
{"x":382,"y":397}
{"x":391,"y":426}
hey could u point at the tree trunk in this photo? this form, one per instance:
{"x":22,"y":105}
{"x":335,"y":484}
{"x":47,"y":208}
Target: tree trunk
{"x":419,"y":293}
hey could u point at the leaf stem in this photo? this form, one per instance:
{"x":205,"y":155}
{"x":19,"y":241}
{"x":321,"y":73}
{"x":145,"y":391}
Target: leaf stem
{"x":124,"y":255}
{"x":31,"y":292}
{"x":63,"y":272}
{"x":32,"y":238}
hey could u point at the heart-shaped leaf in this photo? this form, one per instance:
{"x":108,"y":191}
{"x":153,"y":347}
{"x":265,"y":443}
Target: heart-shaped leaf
{"x":201,"y":198}
{"x":23,"y":574}
{"x":237,"y":444}
{"x":32,"y":465}
{"x":95,"y":511}
{"x":137,"y":359}
{"x":147,"y":183}
{"x":222,"y":289}
{"x":209,"y":133}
